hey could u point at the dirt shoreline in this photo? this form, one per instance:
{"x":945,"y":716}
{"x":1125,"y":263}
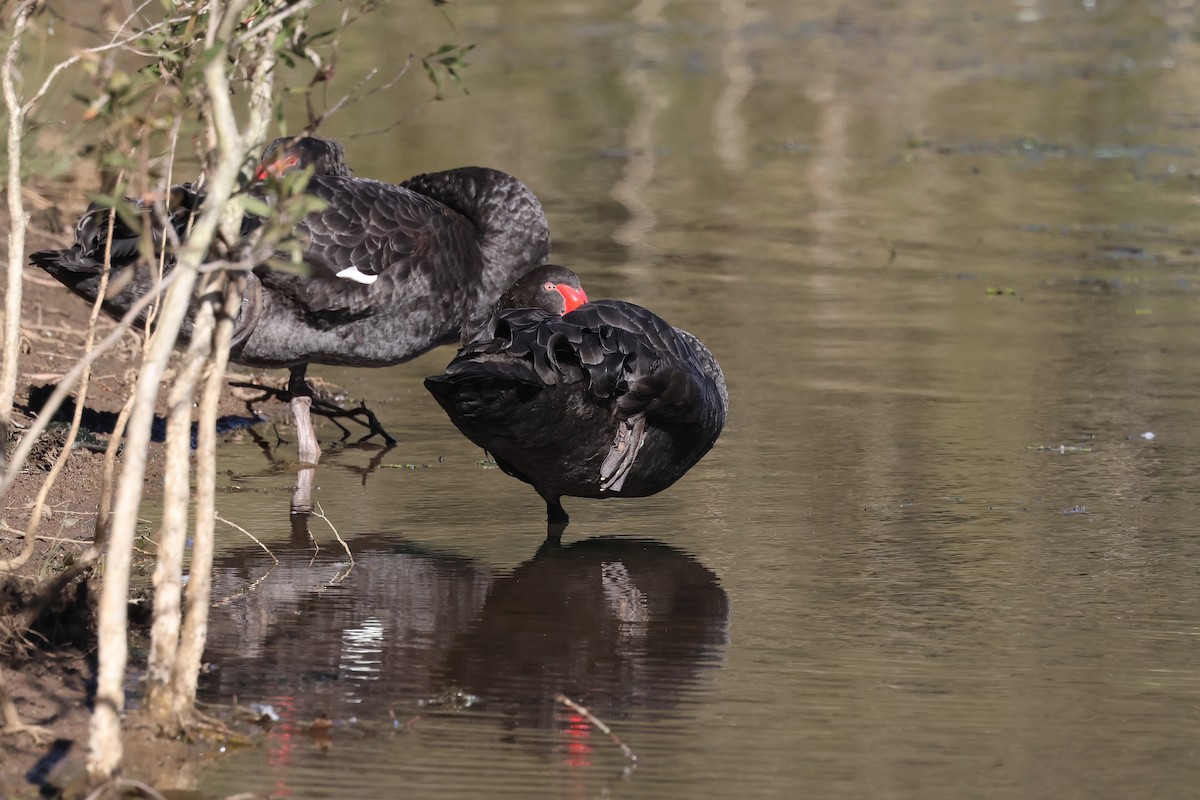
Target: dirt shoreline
{"x":50,"y":672}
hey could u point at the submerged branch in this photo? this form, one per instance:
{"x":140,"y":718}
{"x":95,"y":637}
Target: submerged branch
{"x":320,"y":514}
{"x":597,"y":723}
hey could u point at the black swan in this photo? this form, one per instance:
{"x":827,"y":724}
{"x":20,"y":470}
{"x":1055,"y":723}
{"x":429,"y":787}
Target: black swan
{"x":78,"y":266}
{"x":605,"y":399}
{"x":285,"y":155}
{"x":393,"y":270}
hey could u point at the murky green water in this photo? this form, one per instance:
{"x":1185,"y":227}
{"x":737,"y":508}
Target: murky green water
{"x":946,"y":254}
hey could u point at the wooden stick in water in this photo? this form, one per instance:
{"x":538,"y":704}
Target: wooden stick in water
{"x":596,"y":722}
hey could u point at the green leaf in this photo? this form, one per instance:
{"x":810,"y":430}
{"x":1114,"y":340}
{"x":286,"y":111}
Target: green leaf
{"x":210,"y":55}
{"x":256,"y":206}
{"x":119,"y":160}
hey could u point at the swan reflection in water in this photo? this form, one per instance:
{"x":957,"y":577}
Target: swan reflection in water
{"x":613,"y":623}
{"x":616,"y":624}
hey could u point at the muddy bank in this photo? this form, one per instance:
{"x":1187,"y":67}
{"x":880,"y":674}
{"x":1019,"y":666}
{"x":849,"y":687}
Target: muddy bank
{"x":49,"y":669}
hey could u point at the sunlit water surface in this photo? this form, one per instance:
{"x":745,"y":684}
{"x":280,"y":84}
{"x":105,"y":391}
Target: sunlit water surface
{"x":946,"y":546}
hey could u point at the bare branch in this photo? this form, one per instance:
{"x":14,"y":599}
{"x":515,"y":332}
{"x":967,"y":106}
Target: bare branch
{"x":401,"y":121}
{"x":112,"y":612}
{"x":172,"y":539}
{"x":351,"y":97}
{"x":17,"y":219}
{"x":274,"y":19}
{"x":106,"y":750}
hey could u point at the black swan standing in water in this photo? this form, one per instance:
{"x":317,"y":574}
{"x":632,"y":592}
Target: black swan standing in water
{"x":395,"y":270}
{"x":602,"y":399}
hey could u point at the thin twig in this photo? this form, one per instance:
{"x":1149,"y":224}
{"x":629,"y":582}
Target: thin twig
{"x":253,"y":538}
{"x":43,"y":537}
{"x":353,"y":96}
{"x":401,"y":121}
{"x":95,"y":31}
{"x":278,"y":16}
{"x":39,"y":281}
{"x":597,"y":723}
{"x":320,"y":513}
{"x":16,"y":216}
{"x":106,"y":475}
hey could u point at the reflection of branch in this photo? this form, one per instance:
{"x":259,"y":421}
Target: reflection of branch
{"x":119,"y":782}
{"x":729,"y":127}
{"x":240,"y":593}
{"x":641,"y":158}
{"x":592,"y":718}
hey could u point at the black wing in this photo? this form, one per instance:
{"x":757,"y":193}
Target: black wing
{"x":86,"y":255}
{"x":616,"y":351}
{"x":367,"y":243}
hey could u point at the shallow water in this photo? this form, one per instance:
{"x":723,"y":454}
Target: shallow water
{"x":945,"y":547}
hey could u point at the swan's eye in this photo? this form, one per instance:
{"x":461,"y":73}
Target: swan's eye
{"x":292,"y":161}
{"x":548,"y":286}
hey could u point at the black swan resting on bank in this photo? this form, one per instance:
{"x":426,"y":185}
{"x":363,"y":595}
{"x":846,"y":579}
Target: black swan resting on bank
{"x":395,"y":270}
{"x":78,"y":266}
{"x":605,"y":399}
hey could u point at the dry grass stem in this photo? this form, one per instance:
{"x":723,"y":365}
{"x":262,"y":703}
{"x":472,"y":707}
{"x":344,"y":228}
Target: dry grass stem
{"x":41,"y":537}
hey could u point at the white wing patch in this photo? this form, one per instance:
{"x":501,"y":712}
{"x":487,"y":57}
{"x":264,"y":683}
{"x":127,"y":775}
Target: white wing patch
{"x":354,"y":274}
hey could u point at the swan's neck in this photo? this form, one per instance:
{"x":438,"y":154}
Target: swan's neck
{"x":510,"y":226}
